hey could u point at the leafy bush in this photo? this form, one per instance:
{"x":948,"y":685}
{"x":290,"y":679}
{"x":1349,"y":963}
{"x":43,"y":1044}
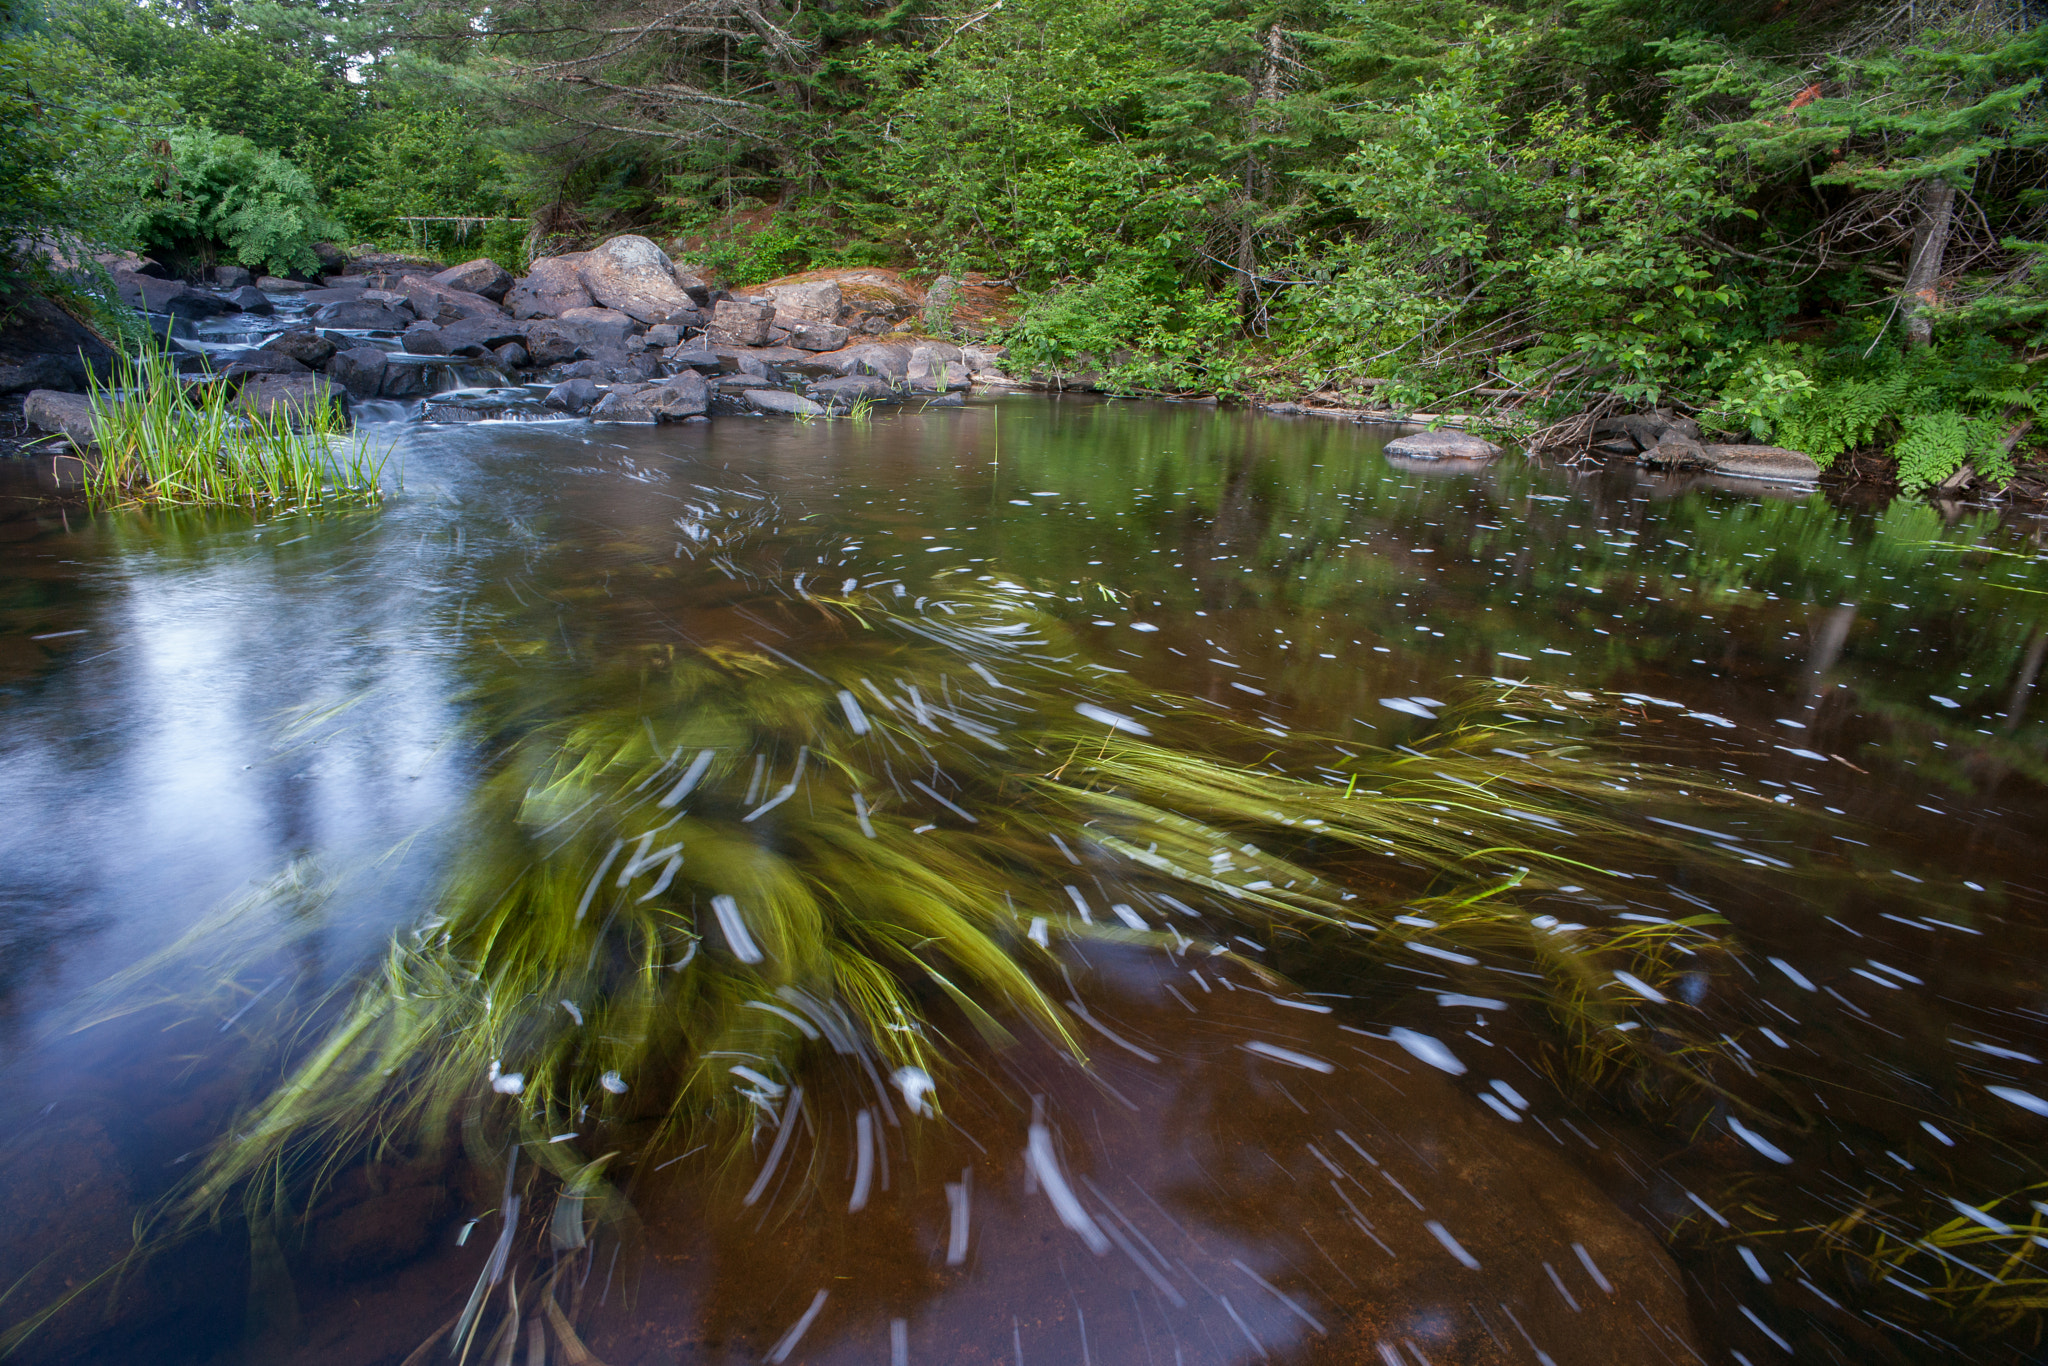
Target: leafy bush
{"x":213,"y":191}
{"x":1143,"y":329}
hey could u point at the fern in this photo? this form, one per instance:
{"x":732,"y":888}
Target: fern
{"x":1932,"y":446}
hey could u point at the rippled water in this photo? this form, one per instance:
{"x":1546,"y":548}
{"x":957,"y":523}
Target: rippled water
{"x":278,"y":729}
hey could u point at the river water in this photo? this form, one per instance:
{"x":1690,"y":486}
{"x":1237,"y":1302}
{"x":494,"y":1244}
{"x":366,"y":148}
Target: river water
{"x":241,"y":751}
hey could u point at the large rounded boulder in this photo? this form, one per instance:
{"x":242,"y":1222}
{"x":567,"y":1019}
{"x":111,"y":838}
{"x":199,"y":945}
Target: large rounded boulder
{"x":634,"y":276}
{"x":553,"y":285}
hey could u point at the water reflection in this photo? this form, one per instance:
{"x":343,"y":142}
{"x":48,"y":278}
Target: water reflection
{"x":255,"y":698}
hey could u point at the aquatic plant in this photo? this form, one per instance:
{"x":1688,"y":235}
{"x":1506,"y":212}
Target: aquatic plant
{"x":164,"y":438}
{"x":706,"y":871}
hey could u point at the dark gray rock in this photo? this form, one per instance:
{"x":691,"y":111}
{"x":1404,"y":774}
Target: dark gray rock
{"x":307,"y":348}
{"x":438,"y":303}
{"x":250,"y":299}
{"x":843,"y":393}
{"x":424,"y":339}
{"x":550,"y":343}
{"x":627,"y":404}
{"x":781,"y":401}
{"x":339,"y":294}
{"x":359,"y":370}
{"x":1445,"y":445}
{"x":696,"y":358}
{"x":810,"y":336}
{"x":60,"y":414}
{"x":172,"y":297}
{"x":573,"y":396}
{"x":553,"y":285}
{"x":363,"y":315}
{"x":239,"y":365}
{"x":685,"y":395}
{"x":1675,"y":451}
{"x":379,"y":1233}
{"x":599,"y":326}
{"x":43,"y":347}
{"x":482,"y":276}
{"x":232,"y":277}
{"x":738,"y":323}
{"x":330,"y":257}
{"x":291,"y":396}
{"x":664,"y":335}
{"x":402,"y":379}
{"x":891,"y":360}
{"x":512,"y":356}
{"x":945,"y":401}
{"x":274,"y":284}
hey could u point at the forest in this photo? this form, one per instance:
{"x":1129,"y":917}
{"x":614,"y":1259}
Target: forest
{"x":1816,"y":223}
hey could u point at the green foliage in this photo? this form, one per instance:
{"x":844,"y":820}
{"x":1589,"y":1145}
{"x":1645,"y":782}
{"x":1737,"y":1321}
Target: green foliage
{"x":1936,"y":409}
{"x":1145,"y":333}
{"x":219,"y":192}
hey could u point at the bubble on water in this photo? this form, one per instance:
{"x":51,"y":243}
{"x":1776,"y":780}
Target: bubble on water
{"x":2026,"y":1100}
{"x":1428,"y":1050}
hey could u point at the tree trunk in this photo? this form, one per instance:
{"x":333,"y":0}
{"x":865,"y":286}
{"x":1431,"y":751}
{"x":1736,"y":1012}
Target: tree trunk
{"x":1258,"y":177}
{"x":1923,"y":268}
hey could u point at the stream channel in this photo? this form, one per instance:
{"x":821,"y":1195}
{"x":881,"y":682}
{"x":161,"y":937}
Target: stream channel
{"x":242,"y":751}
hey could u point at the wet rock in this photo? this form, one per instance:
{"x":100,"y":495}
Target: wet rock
{"x":250,"y":299}
{"x":235,"y":366}
{"x":840,"y":394}
{"x":172,"y":297}
{"x":629,"y":403}
{"x":782,"y":401}
{"x":454,"y":412}
{"x":43,"y":347}
{"x":401,"y":380}
{"x":359,"y":370}
{"x":685,"y":395}
{"x":439,"y":304}
{"x":512,"y":356}
{"x":634,"y":276}
{"x":1773,"y":463}
{"x":811,"y":301}
{"x":424,"y":339}
{"x":1675,"y":451}
{"x":573,"y":396}
{"x":1444,"y":445}
{"x":482,"y":276}
{"x":60,"y":414}
{"x":946,"y":401}
{"x":380,"y":1232}
{"x":936,"y":365}
{"x":65,"y":1219}
{"x":232,"y":277}
{"x":553,"y":285}
{"x":274,"y":284}
{"x":363,"y":315}
{"x":291,"y":396}
{"x":891,"y":360}
{"x":307,"y":348}
{"x":818,"y":336}
{"x":340,"y":294}
{"x":736,"y":322}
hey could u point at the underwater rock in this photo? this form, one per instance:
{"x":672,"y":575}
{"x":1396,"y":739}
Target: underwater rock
{"x":378,"y":1232}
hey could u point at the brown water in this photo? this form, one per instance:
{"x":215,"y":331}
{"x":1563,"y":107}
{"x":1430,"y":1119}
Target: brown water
{"x":197,"y":703}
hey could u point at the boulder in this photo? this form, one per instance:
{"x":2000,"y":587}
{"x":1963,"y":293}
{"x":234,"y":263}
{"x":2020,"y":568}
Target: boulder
{"x":818,"y":336}
{"x":331,"y":258}
{"x":359,"y":370}
{"x":695,"y":358}
{"x":1445,"y":445}
{"x":573,"y":396}
{"x":936,"y":365}
{"x":553,"y":285}
{"x":695,"y":281}
{"x":628,"y":403}
{"x":438,"y":303}
{"x":307,"y":348}
{"x":274,"y":284}
{"x":890,"y":360}
{"x":841,"y":394}
{"x":60,"y":414}
{"x":512,"y":356}
{"x":631,"y":274}
{"x":232,"y":277}
{"x":735,"y":322}
{"x":812,"y":301}
{"x":424,"y":339}
{"x":389,"y":263}
{"x":339,"y":294}
{"x":250,"y":299}
{"x":363,"y":315}
{"x":402,"y":379}
{"x":483,"y":334}
{"x":239,"y":365}
{"x":290,"y":396}
{"x":684,"y":395}
{"x":172,"y":297}
{"x":599,"y":326}
{"x":482,"y":276}
{"x":1675,"y":451}
{"x":664,"y":335}
{"x":781,"y":401}
{"x":1773,"y":463}
{"x":43,"y":347}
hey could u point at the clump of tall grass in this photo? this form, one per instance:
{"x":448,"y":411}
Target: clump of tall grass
{"x":163,"y":439}
{"x":697,"y":877}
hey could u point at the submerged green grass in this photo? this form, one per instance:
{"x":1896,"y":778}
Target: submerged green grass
{"x":709,"y":871}
{"x":165,"y":439}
